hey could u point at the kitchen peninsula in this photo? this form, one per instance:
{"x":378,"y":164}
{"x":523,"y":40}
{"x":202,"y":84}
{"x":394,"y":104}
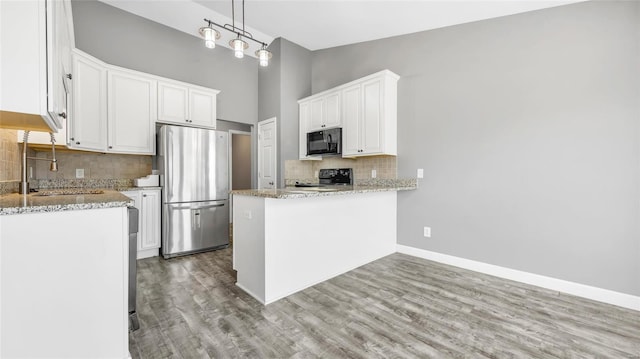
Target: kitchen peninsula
{"x":63,"y":274}
{"x":285,"y":240}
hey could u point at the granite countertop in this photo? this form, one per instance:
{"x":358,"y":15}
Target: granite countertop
{"x":123,"y":189}
{"x":72,"y":199}
{"x":302,"y":192}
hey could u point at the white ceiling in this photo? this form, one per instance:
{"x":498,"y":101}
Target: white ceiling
{"x":322,"y":24}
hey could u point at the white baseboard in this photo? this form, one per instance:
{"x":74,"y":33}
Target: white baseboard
{"x":577,"y":289}
{"x":148,"y":253}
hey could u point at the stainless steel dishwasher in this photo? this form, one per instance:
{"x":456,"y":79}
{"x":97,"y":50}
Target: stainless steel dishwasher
{"x":133,"y":253}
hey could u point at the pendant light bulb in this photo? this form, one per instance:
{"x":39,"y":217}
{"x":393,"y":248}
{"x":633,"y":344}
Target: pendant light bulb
{"x":210,"y":36}
{"x":238,"y":46}
{"x":263,"y":56}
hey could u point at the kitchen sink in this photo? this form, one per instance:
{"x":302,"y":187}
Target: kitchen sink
{"x":68,"y":192}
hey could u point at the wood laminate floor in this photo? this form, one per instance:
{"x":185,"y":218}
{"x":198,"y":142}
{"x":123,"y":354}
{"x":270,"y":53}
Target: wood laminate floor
{"x":397,"y":307}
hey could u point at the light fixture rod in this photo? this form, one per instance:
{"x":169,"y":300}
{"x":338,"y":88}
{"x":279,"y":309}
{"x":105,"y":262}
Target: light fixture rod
{"x":237,"y":31}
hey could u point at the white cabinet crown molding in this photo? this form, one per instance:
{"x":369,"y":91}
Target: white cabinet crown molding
{"x":351,"y":83}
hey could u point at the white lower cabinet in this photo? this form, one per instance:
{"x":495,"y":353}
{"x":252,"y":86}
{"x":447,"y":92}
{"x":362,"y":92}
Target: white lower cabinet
{"x":147,"y":201}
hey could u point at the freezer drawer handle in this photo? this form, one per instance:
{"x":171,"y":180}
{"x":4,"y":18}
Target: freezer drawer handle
{"x":188,"y":206}
{"x":211,"y":206}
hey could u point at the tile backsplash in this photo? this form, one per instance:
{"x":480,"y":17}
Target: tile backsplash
{"x":95,"y":165}
{"x":385,"y":166}
{"x":10,"y":156}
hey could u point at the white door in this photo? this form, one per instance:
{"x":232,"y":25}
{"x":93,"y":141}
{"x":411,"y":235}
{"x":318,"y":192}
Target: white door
{"x":267,"y":163}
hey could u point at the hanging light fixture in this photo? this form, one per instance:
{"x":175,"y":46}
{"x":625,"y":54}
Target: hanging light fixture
{"x":210,"y":36}
{"x":239,"y":45}
{"x":264,"y":56}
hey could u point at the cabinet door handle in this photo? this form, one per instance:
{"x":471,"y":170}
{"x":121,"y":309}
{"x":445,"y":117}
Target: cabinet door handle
{"x":69,"y":76}
{"x":77,"y":142}
{"x":144,"y":195}
{"x":110,"y":147}
{"x":271,"y":183}
{"x":63,"y":115}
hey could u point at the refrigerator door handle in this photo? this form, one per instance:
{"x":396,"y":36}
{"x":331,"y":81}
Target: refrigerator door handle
{"x":195,"y":207}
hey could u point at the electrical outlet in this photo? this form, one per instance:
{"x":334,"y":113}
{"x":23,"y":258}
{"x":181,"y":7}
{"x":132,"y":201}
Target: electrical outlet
{"x":79,"y":172}
{"x":420,"y":173}
{"x":373,"y":174}
{"x":247,"y":214}
{"x":427,"y":232}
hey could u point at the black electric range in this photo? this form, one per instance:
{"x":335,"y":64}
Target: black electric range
{"x":332,"y":177}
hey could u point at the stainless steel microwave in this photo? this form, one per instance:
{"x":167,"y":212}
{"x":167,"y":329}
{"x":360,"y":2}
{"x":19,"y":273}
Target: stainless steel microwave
{"x":325,"y":142}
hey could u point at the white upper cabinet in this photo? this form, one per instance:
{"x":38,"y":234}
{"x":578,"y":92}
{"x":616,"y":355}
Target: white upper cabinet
{"x":186,"y":104}
{"x":88,"y":129}
{"x":366,"y":109}
{"x":352,"y":109}
{"x":202,"y":107}
{"x":172,"y":102}
{"x":370,"y":116}
{"x":131,"y":112}
{"x":35,"y":42}
{"x":305,"y":124}
{"x":324,"y":111}
{"x":116,"y":109}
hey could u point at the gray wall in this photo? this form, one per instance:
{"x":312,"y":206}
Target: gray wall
{"x":282,"y":84}
{"x":123,"y":39}
{"x":528,"y":129}
{"x":296,"y":84}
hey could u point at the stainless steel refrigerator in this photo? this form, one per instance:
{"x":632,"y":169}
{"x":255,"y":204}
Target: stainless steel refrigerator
{"x":194,"y":174}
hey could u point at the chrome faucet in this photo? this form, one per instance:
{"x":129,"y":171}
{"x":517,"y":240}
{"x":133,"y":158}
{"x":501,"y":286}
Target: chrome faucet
{"x":24,"y":185}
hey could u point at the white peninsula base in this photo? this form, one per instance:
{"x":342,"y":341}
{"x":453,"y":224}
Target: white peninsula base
{"x":284,"y":245}
{"x":64,"y":292}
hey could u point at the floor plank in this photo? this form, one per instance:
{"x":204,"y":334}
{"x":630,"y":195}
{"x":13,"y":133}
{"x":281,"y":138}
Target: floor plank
{"x":397,"y":307}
